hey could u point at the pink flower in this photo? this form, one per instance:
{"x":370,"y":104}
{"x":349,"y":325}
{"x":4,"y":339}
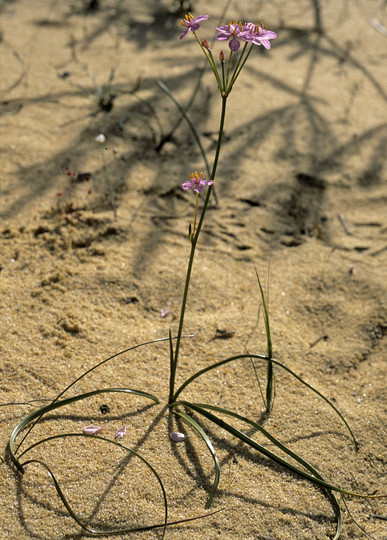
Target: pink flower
{"x":191,"y":24}
{"x":121,"y":432}
{"x":233,"y":30}
{"x":258,"y":35}
{"x":92,"y":430}
{"x":196,"y":182}
{"x":164,"y":312}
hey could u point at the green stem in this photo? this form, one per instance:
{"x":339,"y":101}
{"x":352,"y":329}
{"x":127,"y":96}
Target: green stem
{"x":228,"y":68}
{"x":194,"y":240}
{"x":210,"y":59}
{"x":196,"y":212}
{"x":238,"y":68}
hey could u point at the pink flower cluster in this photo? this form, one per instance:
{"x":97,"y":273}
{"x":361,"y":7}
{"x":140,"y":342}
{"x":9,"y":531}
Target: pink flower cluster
{"x":249,"y":32}
{"x":233,"y":32}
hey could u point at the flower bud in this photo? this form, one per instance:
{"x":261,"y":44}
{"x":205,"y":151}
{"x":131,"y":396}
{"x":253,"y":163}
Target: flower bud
{"x":221,"y":56}
{"x":206,"y":45}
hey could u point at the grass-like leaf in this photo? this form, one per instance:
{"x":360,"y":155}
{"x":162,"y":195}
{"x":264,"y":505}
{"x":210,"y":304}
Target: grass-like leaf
{"x":56,"y":405}
{"x":286,"y":450}
{"x":191,"y":125}
{"x":250,"y":442}
{"x":84,"y":374}
{"x":269,"y":350}
{"x":258,"y":381}
{"x":277,"y":363}
{"x":206,"y":439}
{"x":69,"y":508}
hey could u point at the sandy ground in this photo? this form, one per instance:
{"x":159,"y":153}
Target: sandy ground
{"x":94,"y":246}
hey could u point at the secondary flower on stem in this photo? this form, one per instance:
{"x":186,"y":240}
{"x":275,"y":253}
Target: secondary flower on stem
{"x":191,"y":24}
{"x":196,"y":182}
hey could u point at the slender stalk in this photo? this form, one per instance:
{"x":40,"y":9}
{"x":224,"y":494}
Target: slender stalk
{"x":196,"y":212}
{"x":171,"y":360}
{"x":210,"y":58}
{"x":228,"y":68}
{"x":194,"y":240}
{"x":239,"y":67}
{"x":223,"y":75}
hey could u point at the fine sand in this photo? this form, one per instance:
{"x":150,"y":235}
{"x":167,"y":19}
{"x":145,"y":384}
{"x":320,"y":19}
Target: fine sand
{"x":94,"y":251}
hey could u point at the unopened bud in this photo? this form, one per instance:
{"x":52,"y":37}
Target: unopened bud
{"x":221,"y":56}
{"x":206,"y":45}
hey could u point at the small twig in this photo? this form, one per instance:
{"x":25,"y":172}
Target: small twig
{"x":21,"y":76}
{"x":24,"y":402}
{"x":321,"y":338}
{"x":376,"y":516}
{"x":344,"y":224}
{"x":355,"y":522}
{"x":378,"y":26}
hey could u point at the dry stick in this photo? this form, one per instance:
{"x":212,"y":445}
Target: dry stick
{"x":21,"y":76}
{"x":344,"y":224}
{"x":321,"y":338}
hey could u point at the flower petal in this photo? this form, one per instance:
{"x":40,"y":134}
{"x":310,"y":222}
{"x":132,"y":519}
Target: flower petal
{"x":266,"y":43}
{"x":121,"y":432}
{"x":187,"y":185}
{"x":206,"y":182}
{"x":268,"y":34}
{"x":222,"y":36}
{"x":234,"y":44}
{"x":91,"y":430}
{"x":200,"y":18}
{"x":178,"y":437}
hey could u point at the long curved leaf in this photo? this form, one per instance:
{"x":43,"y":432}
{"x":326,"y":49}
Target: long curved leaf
{"x":96,"y":366}
{"x":69,"y":508}
{"x":287,"y":450}
{"x":56,"y":405}
{"x":192,"y":127}
{"x":206,"y":439}
{"x":269,"y":349}
{"x":250,"y":442}
{"x":277,"y":363}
